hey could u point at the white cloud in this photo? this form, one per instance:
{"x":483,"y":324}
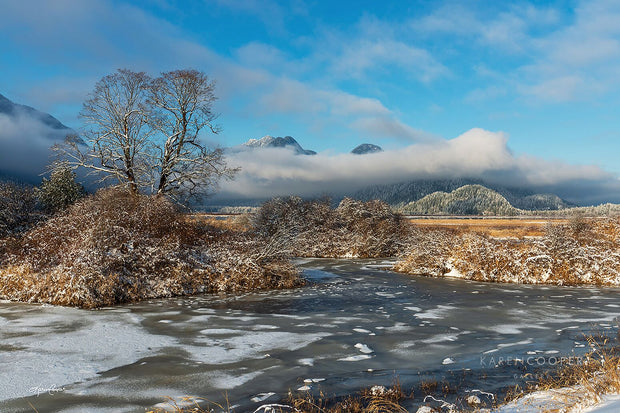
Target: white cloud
{"x":367,"y":116}
{"x":560,"y":57}
{"x":358,"y":58}
{"x":25,"y":146}
{"x":475,"y":154}
{"x":559,"y":89}
{"x":390,"y":127}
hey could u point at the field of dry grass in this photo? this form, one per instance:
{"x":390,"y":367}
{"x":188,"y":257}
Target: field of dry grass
{"x":233,"y":222}
{"x":493,"y":227}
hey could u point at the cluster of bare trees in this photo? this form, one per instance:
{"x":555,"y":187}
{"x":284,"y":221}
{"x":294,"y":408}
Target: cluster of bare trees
{"x":144,"y":133}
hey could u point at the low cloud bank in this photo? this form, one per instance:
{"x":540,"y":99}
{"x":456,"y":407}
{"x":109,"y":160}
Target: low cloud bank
{"x":266,"y":172}
{"x":475,"y":154}
{"x":25,"y":143}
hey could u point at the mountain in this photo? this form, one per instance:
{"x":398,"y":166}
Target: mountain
{"x":12,"y":109}
{"x":26,"y":136}
{"x":365,"y":148}
{"x":406,"y":192}
{"x":279,"y":142}
{"x":541,"y":202}
{"x":466,"y":200}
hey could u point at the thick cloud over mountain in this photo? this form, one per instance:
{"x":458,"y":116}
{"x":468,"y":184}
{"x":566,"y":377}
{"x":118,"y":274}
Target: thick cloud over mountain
{"x":475,"y":154}
{"x":26,"y":136}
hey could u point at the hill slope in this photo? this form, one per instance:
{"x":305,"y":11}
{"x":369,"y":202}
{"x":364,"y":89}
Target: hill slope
{"x":13,"y":109}
{"x":406,"y":192}
{"x":26,"y":136}
{"x":466,"y":200}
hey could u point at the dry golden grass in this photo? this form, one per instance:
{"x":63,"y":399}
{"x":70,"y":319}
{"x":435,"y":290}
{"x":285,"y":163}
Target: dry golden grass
{"x":313,"y":228}
{"x":575,"y":252}
{"x":115,"y":247}
{"x":493,"y":227}
{"x":236,"y":222}
{"x":376,"y":399}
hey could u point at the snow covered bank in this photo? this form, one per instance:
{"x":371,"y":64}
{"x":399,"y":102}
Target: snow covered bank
{"x":568,"y":399}
{"x":588,"y":254}
{"x":116,"y":247}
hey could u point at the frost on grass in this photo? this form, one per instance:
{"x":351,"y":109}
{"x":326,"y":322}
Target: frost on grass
{"x":115,"y":247}
{"x":315,"y":229}
{"x":574,"y":387}
{"x":580,"y":252}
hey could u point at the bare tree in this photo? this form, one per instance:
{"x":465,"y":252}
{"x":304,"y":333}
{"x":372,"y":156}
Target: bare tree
{"x":181,"y":103}
{"x":117,"y":131}
{"x":145,"y":133}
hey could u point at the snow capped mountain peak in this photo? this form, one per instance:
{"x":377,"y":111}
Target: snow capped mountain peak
{"x":265,"y":141}
{"x":279,"y":142}
{"x":365,"y":148}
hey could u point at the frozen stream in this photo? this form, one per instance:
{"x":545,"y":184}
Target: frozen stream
{"x":359,"y":325}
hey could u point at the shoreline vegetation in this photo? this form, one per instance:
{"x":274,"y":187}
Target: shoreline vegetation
{"x":580,"y":251}
{"x":117,"y":247}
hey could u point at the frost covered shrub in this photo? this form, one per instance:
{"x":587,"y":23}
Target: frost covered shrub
{"x":117,"y":247}
{"x":18,"y":208}
{"x":372,"y":228}
{"x":564,"y":256}
{"x":314,"y":229}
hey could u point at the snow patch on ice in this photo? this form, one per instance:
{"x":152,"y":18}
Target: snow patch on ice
{"x":260,"y":397}
{"x":54,"y":340}
{"x":225,"y":381}
{"x":356,"y":357}
{"x":361,"y":330}
{"x":253,"y":344}
{"x":306,"y":362}
{"x":436,"y":313}
{"x":364,"y":348}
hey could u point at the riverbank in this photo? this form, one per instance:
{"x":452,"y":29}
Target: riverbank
{"x":590,"y":383}
{"x":115,"y":247}
{"x":579,"y":252}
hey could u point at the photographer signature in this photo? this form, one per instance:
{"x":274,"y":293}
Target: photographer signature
{"x":49,"y":390}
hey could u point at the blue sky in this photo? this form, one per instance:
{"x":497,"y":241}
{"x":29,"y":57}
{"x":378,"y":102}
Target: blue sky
{"x":543,"y":76}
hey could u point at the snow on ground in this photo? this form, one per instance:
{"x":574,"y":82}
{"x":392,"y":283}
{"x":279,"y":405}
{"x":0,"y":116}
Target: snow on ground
{"x":561,"y":400}
{"x":608,"y":404}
